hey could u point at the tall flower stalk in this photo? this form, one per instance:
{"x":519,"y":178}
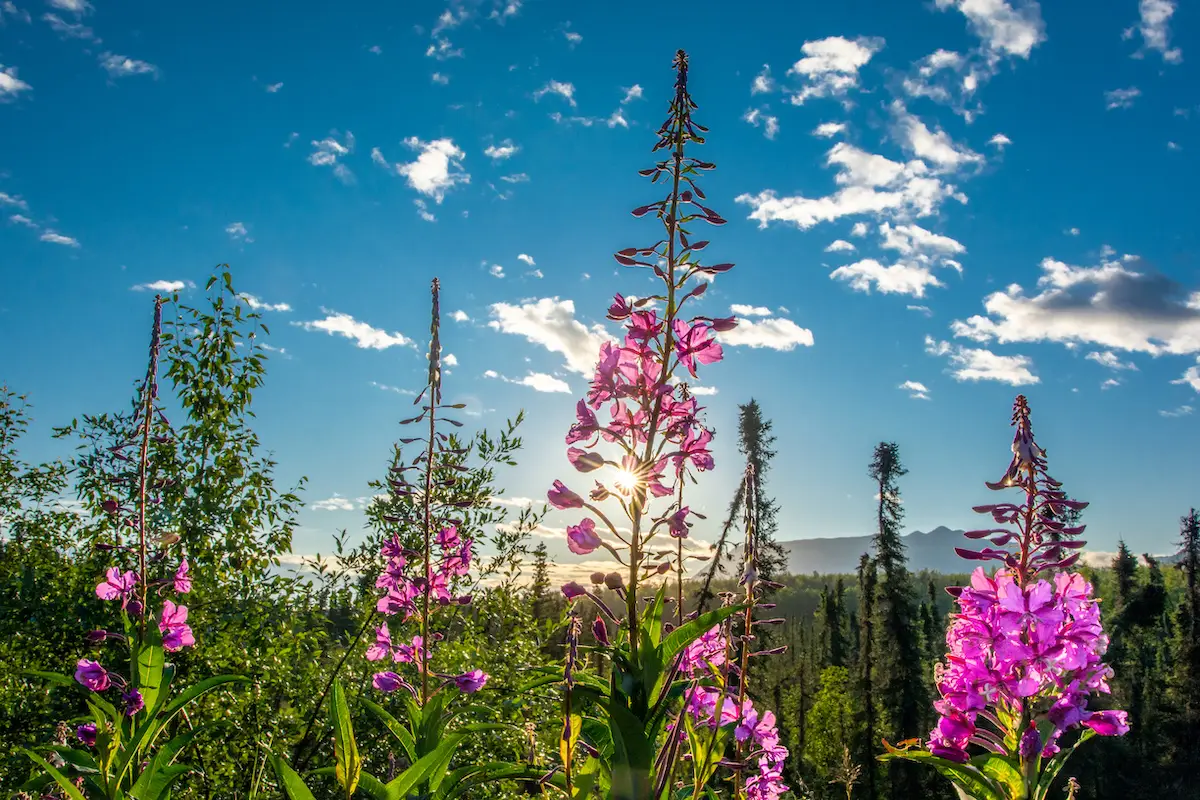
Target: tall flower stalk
{"x":1026,"y":645}
{"x":122,"y":737}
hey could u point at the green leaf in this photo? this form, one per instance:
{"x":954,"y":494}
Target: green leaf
{"x":689,"y":632}
{"x":652,"y":620}
{"x":349,"y":762}
{"x":568,"y":738}
{"x":1051,"y":770}
{"x":392,"y":724}
{"x":430,"y":764}
{"x":150,"y":661}
{"x":291,"y":783}
{"x":196,"y":690}
{"x":632,"y":754}
{"x":63,"y":781}
{"x":968,"y":778}
{"x":1005,"y":770}
{"x":53,"y":677}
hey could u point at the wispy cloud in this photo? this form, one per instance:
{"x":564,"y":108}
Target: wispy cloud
{"x":118,"y":66}
{"x":631,"y":93}
{"x":362,"y":334}
{"x":1181,"y":411}
{"x":506,"y":149}
{"x":10,"y":84}
{"x":1121,"y":98}
{"x":1154,"y":26}
{"x":916,"y":390}
{"x":261,"y":305}
{"x":550,"y":323}
{"x":167,"y":287}
{"x":437,"y":169}
{"x":830,"y":66}
{"x":237,"y":232}
{"x":70,"y":30}
{"x":57,"y":238}
{"x":538,"y":381}
{"x":970,"y":364}
{"x":329,"y":152}
{"x":561,"y":88}
{"x":335,"y":503}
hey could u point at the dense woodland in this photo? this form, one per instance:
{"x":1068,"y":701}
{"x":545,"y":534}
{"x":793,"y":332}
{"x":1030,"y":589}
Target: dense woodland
{"x":860,"y":650}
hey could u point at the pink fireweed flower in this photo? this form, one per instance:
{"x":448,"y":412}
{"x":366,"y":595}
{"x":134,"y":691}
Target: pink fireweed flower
{"x":86,"y":734}
{"x":586,"y":425}
{"x":389,"y":682}
{"x":472,"y":681}
{"x":173,"y":625}
{"x":448,"y":537}
{"x":91,"y":675}
{"x":620,"y":309}
{"x":382,"y":647}
{"x":117,"y":585}
{"x":133,"y":701}
{"x":708,"y":650}
{"x":572,"y":590}
{"x":563,"y":498}
{"x":1040,"y":646}
{"x":582,"y":538}
{"x":182,"y":583}
{"x":693,"y":344}
{"x":677,"y":524}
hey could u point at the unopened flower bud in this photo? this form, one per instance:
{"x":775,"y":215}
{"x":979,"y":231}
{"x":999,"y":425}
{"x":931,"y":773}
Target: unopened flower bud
{"x":600,"y":631}
{"x":614,"y":581}
{"x":597,"y":577}
{"x":110,"y":506}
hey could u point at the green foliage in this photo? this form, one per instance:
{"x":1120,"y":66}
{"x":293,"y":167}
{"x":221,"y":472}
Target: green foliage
{"x":833,"y":725}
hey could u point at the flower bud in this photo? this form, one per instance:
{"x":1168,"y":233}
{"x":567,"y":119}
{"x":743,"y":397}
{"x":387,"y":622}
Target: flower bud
{"x":614,"y":581}
{"x":600,"y":631}
{"x":597,"y":577}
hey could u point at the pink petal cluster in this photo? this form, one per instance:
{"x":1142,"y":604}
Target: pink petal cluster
{"x":404,"y":592}
{"x":406,"y":596}
{"x":760,"y":731}
{"x":117,"y":585}
{"x":173,"y":624}
{"x":1035,"y":650}
{"x":705,"y":652}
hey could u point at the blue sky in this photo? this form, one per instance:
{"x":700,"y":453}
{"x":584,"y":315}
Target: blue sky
{"x":933,"y":206}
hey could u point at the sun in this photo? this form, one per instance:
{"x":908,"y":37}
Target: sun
{"x":626,"y":480}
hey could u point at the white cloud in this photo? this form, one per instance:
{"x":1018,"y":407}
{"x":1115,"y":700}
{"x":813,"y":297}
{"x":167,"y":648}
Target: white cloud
{"x":1190,"y":377}
{"x":560,"y":88}
{"x":763,"y":82}
{"x":1173,"y":146}
{"x":74,"y":6}
{"x":1154,"y":27}
{"x":551,"y":323}
{"x":519,"y":177}
{"x":167,"y":287}
{"x":262,"y":305}
{"x":1182,"y":411}
{"x":573,"y":38}
{"x":869,"y":184}
{"x":54,"y":237}
{"x":936,"y":147}
{"x":460,"y":316}
{"x":21,"y":219}
{"x":916,"y":390}
{"x":1072,"y":231}
{"x":827,"y":130}
{"x":1000,"y":141}
{"x":969,"y":364}
{"x":541,"y":382}
{"x":272,"y":88}
{"x":7,"y":7}
{"x":859,"y":229}
{"x":496,"y":271}
{"x":440,"y":79}
{"x":702,"y":391}
{"x":335,"y":503}
{"x":617,"y":118}
{"x":436,"y":170}
{"x":396,"y":389}
{"x":376,"y":49}
{"x":1003,"y":29}
{"x":774,"y":333}
{"x":528,"y":259}
{"x":1121,"y":98}
{"x":739,"y":310}
{"x":328,"y":152}
{"x":491,"y":373}
{"x":450,"y":360}
{"x":237,"y":231}
{"x":830,"y":66}
{"x":900,"y":278}
{"x":1115,"y":305}
{"x":118,"y":66}
{"x":505,"y":149}
{"x":1108,"y":384}
{"x":10,"y":84}
{"x":1110,"y":360}
{"x":913,"y":240}
{"x":7,"y":199}
{"x":756,"y":117}
{"x":505,"y":9}
{"x":631,"y":93}
{"x":423,"y":210}
{"x":840,"y":246}
{"x":363,"y":335}
{"x":926,"y":310}
{"x":71,"y":30}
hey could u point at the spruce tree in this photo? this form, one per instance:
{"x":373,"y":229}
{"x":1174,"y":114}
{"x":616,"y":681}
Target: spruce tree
{"x":1124,"y":566}
{"x":833,"y":624}
{"x":1187,"y":624}
{"x":899,"y":676}
{"x":867,"y":585}
{"x":541,"y":583}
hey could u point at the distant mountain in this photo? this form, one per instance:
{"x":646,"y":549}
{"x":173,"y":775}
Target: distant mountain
{"x":933,"y":550}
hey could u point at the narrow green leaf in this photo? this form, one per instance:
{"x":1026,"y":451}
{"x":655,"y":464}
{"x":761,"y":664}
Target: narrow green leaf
{"x":428,"y":765}
{"x":398,"y":730}
{"x":291,"y":783}
{"x":53,"y":677}
{"x":349,"y":762}
{"x":151,"y":659}
{"x":63,"y":781}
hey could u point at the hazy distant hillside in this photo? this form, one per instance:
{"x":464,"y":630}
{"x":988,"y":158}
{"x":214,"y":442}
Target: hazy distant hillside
{"x":933,"y":551}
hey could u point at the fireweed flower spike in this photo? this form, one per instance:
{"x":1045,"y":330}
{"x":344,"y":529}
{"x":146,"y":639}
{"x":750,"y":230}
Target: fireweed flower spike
{"x":1026,"y":644}
{"x":417,"y":582}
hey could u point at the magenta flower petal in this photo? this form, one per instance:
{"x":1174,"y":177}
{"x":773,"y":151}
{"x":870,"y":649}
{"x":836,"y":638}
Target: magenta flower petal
{"x":91,"y":675}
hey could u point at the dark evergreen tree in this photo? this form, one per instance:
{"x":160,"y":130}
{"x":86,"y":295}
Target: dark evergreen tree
{"x":1187,"y":627}
{"x":899,"y":677}
{"x":540,"y":586}
{"x":1124,"y":567}
{"x":867,"y":585}
{"x":833,"y":624}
